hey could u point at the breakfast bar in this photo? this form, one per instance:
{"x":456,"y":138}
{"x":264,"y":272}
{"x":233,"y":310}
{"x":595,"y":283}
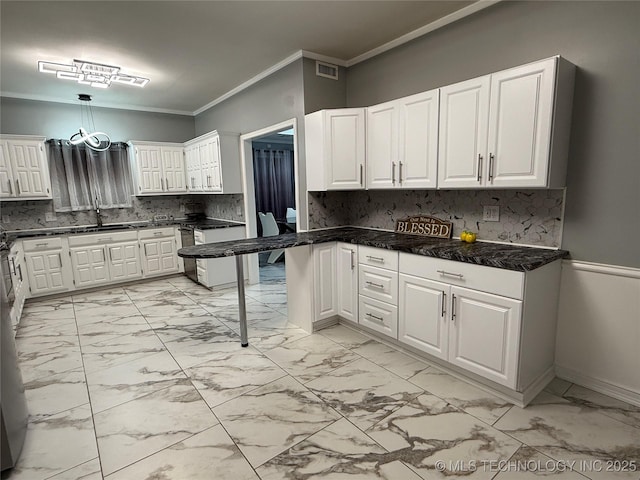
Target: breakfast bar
{"x":497,"y":255}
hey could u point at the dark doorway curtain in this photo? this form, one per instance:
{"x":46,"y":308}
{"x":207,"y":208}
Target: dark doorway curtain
{"x":273,"y":176}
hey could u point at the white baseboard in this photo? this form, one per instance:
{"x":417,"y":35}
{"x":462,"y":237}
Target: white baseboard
{"x":598,"y":385}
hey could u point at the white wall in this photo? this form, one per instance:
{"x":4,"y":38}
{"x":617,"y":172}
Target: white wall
{"x":598,"y":339}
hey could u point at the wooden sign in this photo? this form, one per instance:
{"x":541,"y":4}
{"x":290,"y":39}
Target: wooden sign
{"x":427,"y":226}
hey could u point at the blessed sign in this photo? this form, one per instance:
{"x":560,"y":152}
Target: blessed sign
{"x":427,"y":226}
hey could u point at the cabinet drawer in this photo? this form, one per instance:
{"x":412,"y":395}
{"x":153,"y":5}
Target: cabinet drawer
{"x":507,"y":283}
{"x":42,"y":244}
{"x":157,"y":232}
{"x":99,"y":238}
{"x":378,"y":257}
{"x":379,"y":316}
{"x":378,"y":283}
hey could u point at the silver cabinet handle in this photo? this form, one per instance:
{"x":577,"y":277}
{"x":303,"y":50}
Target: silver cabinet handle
{"x":60,"y":259}
{"x":166,"y":182}
{"x":353,"y":263}
{"x":491,"y":161}
{"x":444,"y":301}
{"x":393,"y":173}
{"x":157,"y":234}
{"x":20,"y":270}
{"x":10,"y":187}
{"x":361,"y":173}
{"x":479,"y":166}
{"x":44,"y":244}
{"x":377,"y":259}
{"x":104,"y":257}
{"x":379,"y":285}
{"x":106,"y":239}
{"x":110,"y":257}
{"x":453,"y":307}
{"x":400,"y":173}
{"x":162,"y":184}
{"x":18,"y":186}
{"x":444,"y":272}
{"x":373,"y":316}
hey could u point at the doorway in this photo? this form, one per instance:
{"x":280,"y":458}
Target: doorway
{"x":270,"y":175}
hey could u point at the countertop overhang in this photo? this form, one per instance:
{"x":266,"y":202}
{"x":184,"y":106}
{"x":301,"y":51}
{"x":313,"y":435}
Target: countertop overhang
{"x":498,"y":255}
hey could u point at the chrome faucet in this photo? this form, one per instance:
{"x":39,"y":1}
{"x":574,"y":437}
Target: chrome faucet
{"x":98,"y":215}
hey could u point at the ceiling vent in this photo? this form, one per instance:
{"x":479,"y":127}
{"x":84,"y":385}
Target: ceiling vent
{"x":326,"y":70}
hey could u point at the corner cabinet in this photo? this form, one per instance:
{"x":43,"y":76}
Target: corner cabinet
{"x":159,"y":168}
{"x":24,"y":170}
{"x":335,"y":149}
{"x":213,"y":163}
{"x":402,"y":142}
{"x":509,"y":129}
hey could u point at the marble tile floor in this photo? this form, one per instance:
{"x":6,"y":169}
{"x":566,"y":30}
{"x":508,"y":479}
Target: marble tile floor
{"x":149,"y":381}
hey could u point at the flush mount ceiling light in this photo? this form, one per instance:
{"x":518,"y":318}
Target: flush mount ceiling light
{"x":92,"y":74}
{"x":98,"y":141}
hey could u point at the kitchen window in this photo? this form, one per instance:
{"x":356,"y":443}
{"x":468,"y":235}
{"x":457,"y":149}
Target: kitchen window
{"x":82,"y":178}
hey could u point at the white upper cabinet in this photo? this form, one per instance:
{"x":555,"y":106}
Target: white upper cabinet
{"x":213,"y":163}
{"x":160,"y":168}
{"x":335,"y":149}
{"x":509,"y":129}
{"x":402,"y":142}
{"x":464,"y":113}
{"x":24,"y":170}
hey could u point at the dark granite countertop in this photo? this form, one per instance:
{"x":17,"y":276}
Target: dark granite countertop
{"x":509,"y":257}
{"x":202,"y":224}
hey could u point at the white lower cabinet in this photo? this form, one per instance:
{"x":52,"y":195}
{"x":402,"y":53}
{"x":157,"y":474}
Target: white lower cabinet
{"x":379,"y":316}
{"x":48,"y":266}
{"x":124,"y":261}
{"x":217,"y":271}
{"x":159,"y":252}
{"x":484,"y":334}
{"x":325,"y":298}
{"x":347,"y":281}
{"x":423,"y":309}
{"x":89,"y":266}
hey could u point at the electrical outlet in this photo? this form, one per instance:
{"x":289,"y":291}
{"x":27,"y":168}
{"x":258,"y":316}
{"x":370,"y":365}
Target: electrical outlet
{"x":491,"y":213}
{"x":50,"y":217}
{"x":238,"y":210}
{"x":182,"y":209}
{"x":6,"y":219}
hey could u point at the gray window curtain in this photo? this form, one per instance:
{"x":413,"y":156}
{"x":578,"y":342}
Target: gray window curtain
{"x":274,"y":181}
{"x":82,"y":178}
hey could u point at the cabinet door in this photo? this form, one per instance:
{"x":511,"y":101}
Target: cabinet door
{"x":44,"y":270}
{"x":30,"y":169}
{"x":159,"y":256}
{"x":174,"y":169}
{"x":89,"y":266}
{"x":124,"y":261}
{"x":149,"y":160}
{"x":325,"y":291}
{"x":423,"y":317}
{"x":7,"y":186}
{"x":347,"y":281}
{"x":464,"y":114}
{"x":194,"y":173}
{"x":210,"y":163}
{"x":345,"y":149}
{"x":520,"y":121}
{"x":484,"y":334}
{"x":382,"y":145}
{"x":418,"y":140}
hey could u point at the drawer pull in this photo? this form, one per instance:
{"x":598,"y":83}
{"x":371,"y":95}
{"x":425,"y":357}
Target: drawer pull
{"x":377,"y":259}
{"x":370,"y":315}
{"x":106,"y":239}
{"x":444,"y":272}
{"x":157,"y":234}
{"x":379,"y":285}
{"x":43,"y":244}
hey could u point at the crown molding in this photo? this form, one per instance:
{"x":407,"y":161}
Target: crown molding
{"x":43,"y":98}
{"x":419,"y":32}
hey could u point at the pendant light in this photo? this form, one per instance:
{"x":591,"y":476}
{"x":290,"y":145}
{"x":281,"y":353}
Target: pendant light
{"x":98,"y":141}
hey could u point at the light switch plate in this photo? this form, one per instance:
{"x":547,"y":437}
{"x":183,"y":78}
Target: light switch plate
{"x":50,"y":217}
{"x":491,"y":213}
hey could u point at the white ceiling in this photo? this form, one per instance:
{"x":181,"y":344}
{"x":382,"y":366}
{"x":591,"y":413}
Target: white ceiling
{"x":194,"y":52}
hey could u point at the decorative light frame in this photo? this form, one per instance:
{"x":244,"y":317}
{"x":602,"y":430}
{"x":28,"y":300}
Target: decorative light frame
{"x":96,"y":75}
